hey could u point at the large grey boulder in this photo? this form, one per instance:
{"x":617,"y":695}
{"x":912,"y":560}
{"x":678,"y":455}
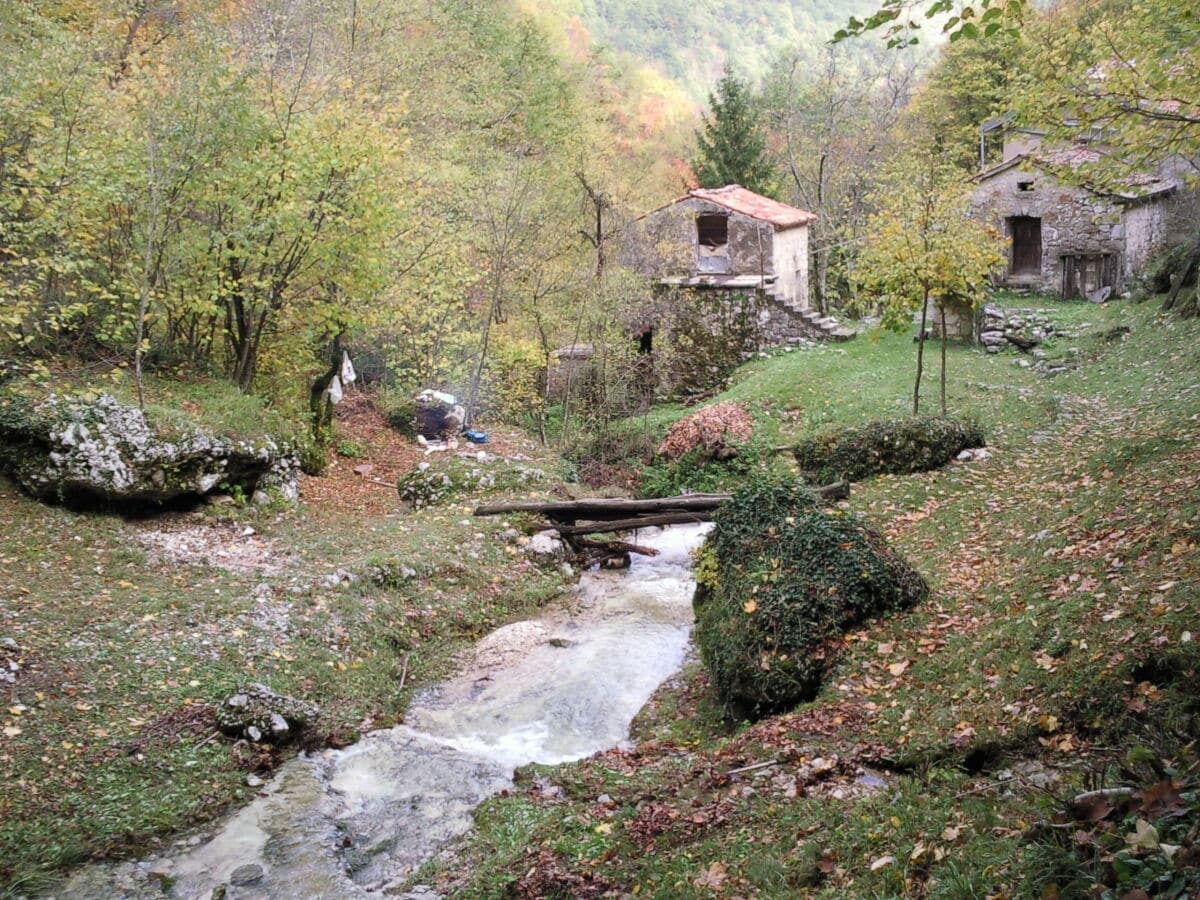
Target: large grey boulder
{"x":546,"y":548}
{"x":99,"y":449}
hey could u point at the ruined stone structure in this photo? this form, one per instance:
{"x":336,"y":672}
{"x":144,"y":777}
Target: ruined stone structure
{"x":730,"y":247}
{"x":1069,"y":239}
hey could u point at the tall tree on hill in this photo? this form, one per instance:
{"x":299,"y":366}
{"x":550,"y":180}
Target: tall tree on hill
{"x":733,"y":144}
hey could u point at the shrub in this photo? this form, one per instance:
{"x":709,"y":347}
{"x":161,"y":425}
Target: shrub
{"x":313,"y":458}
{"x":779,"y":581}
{"x":351,"y":449}
{"x":895,"y":446}
{"x":399,"y":410}
{"x":698,"y":472}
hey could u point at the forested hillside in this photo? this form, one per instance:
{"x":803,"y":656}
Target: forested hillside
{"x":692,"y":41}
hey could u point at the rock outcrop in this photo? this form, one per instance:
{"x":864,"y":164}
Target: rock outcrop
{"x":259,"y":714}
{"x":100,"y":450}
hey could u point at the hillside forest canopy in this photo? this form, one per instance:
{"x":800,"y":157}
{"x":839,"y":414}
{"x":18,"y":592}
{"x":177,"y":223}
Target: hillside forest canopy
{"x":230,"y":187}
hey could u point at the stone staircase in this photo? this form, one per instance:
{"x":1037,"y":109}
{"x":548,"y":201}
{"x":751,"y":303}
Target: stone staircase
{"x":831,"y":328}
{"x":808,"y":323}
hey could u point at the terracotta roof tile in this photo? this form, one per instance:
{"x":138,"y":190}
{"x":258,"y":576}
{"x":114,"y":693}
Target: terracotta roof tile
{"x":738,"y":199}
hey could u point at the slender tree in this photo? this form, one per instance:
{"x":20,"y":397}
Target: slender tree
{"x":924,"y":247}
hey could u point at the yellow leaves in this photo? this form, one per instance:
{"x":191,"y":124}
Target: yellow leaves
{"x":1048,"y":723}
{"x":750,"y":606}
{"x":11,"y":731}
{"x":603,"y":828}
{"x":1143,"y":837}
{"x":899,"y":668}
{"x":1045,"y":661}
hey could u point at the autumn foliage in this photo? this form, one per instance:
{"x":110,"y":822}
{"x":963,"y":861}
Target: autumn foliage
{"x":779,"y":581}
{"x":714,"y":430}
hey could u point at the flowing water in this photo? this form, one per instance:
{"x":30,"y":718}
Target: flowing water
{"x":351,"y":822}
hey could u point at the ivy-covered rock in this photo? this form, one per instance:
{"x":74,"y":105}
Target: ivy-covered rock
{"x":97,"y":449}
{"x":894,"y":446}
{"x":467,"y":475}
{"x":779,"y":581}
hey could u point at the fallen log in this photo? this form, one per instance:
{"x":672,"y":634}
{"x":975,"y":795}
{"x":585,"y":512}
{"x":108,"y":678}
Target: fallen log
{"x":616,"y":510}
{"x":678,"y":518}
{"x":613,"y":547}
{"x":606,"y":554}
{"x":606,"y":508}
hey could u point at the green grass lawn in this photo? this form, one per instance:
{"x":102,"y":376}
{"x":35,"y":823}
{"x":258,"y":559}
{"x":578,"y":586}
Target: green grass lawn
{"x":108,"y":739}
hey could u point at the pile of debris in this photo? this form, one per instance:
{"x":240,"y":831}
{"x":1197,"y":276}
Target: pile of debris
{"x":1020,"y":328}
{"x":439,"y":415}
{"x":714,"y":430}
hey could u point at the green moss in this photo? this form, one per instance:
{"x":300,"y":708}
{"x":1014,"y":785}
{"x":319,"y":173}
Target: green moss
{"x":891,"y":447}
{"x":786,"y":578}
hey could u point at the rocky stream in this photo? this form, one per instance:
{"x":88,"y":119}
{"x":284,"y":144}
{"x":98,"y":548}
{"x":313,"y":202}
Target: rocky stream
{"x":348,"y":823}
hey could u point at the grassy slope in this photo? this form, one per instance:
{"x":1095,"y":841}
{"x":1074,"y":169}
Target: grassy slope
{"x":1065,"y":574}
{"x":121,"y":656}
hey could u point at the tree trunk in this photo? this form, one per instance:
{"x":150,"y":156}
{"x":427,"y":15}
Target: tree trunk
{"x":319,"y":405}
{"x":921,"y":353}
{"x":942,"y":313}
{"x":1189,"y":264}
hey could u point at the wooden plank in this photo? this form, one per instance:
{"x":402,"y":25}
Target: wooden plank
{"x":679,"y":518}
{"x":605,"y":508}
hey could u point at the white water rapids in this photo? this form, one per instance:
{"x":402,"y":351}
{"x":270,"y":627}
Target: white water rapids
{"x":347,"y":823}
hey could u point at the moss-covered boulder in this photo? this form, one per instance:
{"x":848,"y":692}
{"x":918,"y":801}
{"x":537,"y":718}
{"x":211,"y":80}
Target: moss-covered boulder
{"x":779,"y":581}
{"x":468,"y":475}
{"x":96,"y":449}
{"x":892,"y":446}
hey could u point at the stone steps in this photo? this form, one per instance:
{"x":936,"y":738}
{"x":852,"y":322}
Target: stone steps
{"x":818,"y":326}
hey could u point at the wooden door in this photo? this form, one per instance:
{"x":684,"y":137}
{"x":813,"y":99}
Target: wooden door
{"x":1026,"y":234}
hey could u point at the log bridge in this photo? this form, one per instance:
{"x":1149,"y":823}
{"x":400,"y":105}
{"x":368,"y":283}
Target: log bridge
{"x":574,"y":520}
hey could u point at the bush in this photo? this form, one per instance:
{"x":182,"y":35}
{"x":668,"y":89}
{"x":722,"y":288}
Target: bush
{"x":698,"y":472}
{"x":313,"y":458}
{"x":896,"y":446}
{"x":779,"y":580}
{"x":399,"y":410}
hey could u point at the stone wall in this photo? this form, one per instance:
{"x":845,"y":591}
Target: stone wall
{"x":1074,"y":220}
{"x":1146,"y":231}
{"x":662,"y":244}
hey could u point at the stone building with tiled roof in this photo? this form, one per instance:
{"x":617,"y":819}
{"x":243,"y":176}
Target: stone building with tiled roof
{"x":731,"y":245}
{"x":1067,"y":238}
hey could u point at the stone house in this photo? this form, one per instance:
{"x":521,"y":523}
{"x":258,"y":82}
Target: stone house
{"x":729,"y":252}
{"x":1072,"y":240}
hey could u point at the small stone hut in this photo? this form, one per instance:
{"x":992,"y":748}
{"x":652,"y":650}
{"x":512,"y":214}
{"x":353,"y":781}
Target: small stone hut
{"x":730,"y":254}
{"x":1072,"y":240}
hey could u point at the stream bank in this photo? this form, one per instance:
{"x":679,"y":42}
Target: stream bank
{"x":351,"y":822}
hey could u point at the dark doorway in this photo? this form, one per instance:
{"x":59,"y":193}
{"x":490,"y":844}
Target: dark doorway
{"x":712,"y":230}
{"x":1026,"y":232}
{"x":712,"y":244}
{"x":1084,"y":274}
